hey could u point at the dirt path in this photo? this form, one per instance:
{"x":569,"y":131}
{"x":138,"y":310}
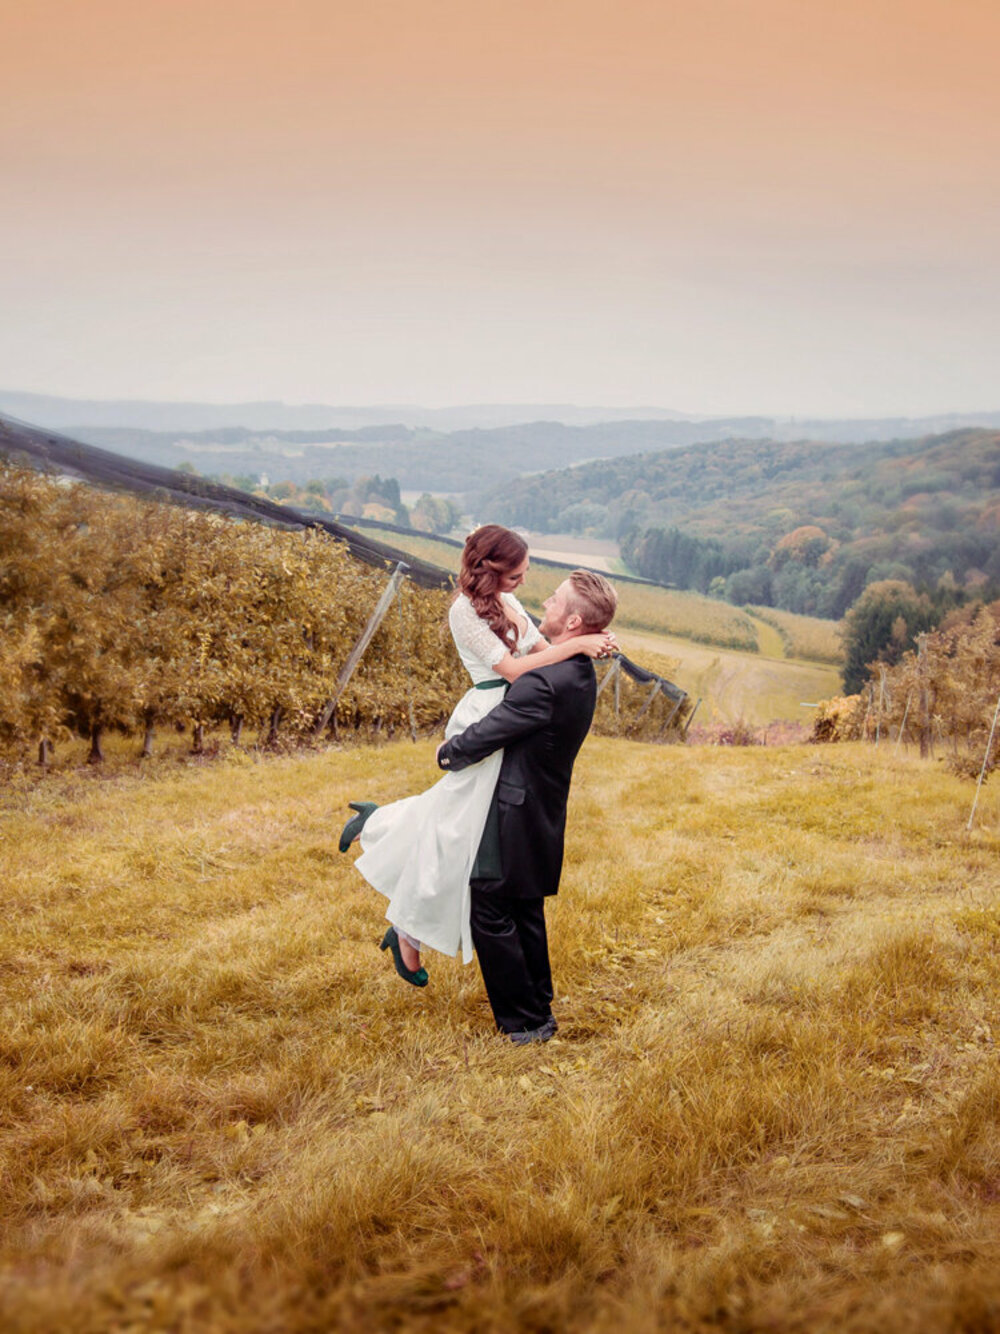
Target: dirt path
{"x":769,"y":639}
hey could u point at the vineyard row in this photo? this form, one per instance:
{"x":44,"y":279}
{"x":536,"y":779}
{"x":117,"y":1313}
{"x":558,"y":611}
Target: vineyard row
{"x":126,"y":615}
{"x":944,"y":693}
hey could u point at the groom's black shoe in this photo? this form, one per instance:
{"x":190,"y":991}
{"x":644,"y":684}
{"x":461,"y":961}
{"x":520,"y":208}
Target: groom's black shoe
{"x":356,"y":823}
{"x":541,"y":1034}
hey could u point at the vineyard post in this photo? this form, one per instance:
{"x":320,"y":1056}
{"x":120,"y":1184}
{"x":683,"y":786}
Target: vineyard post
{"x":609,"y":675}
{"x":903,"y":723}
{"x":654,"y":690}
{"x":374,"y":621}
{"x":690,"y":717}
{"x":986,"y":760}
{"x":881,"y":698}
{"x":409,"y":675}
{"x":925,"y":722}
{"x":671,"y":716}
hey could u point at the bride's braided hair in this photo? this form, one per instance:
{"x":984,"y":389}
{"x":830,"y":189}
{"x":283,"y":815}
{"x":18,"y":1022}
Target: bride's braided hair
{"x":491,"y":552}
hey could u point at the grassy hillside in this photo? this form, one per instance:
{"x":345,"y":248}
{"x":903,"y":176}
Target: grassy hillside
{"x":733,"y":686}
{"x":807,"y":637}
{"x":773,"y":1102}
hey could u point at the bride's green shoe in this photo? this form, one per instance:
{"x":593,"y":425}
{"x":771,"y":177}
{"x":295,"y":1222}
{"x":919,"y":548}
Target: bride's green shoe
{"x":356,"y":823}
{"x":390,"y":941}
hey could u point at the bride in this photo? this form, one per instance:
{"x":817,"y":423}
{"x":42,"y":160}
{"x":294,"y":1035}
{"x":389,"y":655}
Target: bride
{"x":419,"y":851}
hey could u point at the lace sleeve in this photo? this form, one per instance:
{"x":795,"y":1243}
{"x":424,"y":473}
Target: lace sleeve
{"x":473,"y":637}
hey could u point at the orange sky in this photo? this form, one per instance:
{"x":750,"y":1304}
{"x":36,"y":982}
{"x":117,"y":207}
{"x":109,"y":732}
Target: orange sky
{"x":715,"y":205}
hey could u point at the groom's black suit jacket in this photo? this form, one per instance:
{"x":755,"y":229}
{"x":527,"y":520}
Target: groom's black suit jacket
{"x":541,"y":725}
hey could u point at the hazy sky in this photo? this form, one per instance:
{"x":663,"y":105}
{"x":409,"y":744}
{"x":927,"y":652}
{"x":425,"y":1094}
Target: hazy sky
{"x":713,"y":205}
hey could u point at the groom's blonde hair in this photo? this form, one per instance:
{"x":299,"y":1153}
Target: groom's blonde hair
{"x":592,"y":598}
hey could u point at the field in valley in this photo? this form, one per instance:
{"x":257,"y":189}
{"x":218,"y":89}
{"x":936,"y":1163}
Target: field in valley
{"x":733,"y":686}
{"x":773,"y":1102}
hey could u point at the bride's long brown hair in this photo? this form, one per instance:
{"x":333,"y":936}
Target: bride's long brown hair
{"x":491,"y":552}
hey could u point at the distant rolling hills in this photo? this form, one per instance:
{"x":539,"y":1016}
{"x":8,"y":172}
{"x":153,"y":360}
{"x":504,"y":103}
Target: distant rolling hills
{"x":465,"y":451}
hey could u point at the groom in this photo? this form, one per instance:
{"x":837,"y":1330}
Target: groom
{"x":540,"y":726}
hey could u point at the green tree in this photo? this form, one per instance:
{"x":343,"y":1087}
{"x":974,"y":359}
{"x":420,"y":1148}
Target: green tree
{"x":434,"y":514}
{"x":881,"y":626}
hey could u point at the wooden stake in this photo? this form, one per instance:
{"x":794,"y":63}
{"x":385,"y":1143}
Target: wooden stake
{"x":690,"y":717}
{"x":903,"y":723}
{"x":986,"y":760}
{"x":608,"y":676}
{"x":881,"y":697}
{"x":671,"y":716}
{"x":374,"y":621}
{"x":653,"y":692}
{"x":926,"y":747}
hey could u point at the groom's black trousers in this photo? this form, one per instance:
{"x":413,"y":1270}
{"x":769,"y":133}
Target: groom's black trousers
{"x":509,"y":936}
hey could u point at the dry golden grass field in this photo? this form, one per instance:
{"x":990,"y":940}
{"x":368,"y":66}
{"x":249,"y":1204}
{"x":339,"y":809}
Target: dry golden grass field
{"x":773,"y":1103}
{"x":809,"y":637}
{"x":754,"y":687}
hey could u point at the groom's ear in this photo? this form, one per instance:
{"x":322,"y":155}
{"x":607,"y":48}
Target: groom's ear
{"x":574,"y":623}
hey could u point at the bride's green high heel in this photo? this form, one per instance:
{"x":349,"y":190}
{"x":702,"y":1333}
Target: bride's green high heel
{"x":356,"y":823}
{"x":390,"y":941}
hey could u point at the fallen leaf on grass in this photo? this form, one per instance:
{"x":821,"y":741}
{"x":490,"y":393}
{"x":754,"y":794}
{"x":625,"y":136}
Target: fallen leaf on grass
{"x":854,"y":1202}
{"x":763,"y":1220}
{"x":828,"y":1212}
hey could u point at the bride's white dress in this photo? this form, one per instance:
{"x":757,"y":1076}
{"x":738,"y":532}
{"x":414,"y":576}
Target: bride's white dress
{"x":419,"y":852}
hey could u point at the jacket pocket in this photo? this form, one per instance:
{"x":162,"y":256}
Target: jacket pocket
{"x":510,"y":794}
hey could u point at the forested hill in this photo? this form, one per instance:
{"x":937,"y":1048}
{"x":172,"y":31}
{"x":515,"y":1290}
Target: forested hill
{"x":468,"y":462}
{"x":803,"y":525}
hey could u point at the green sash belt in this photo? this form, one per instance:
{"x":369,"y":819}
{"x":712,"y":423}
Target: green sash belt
{"x":492,"y":685}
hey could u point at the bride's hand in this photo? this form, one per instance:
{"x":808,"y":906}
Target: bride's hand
{"x":597,"y":646}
